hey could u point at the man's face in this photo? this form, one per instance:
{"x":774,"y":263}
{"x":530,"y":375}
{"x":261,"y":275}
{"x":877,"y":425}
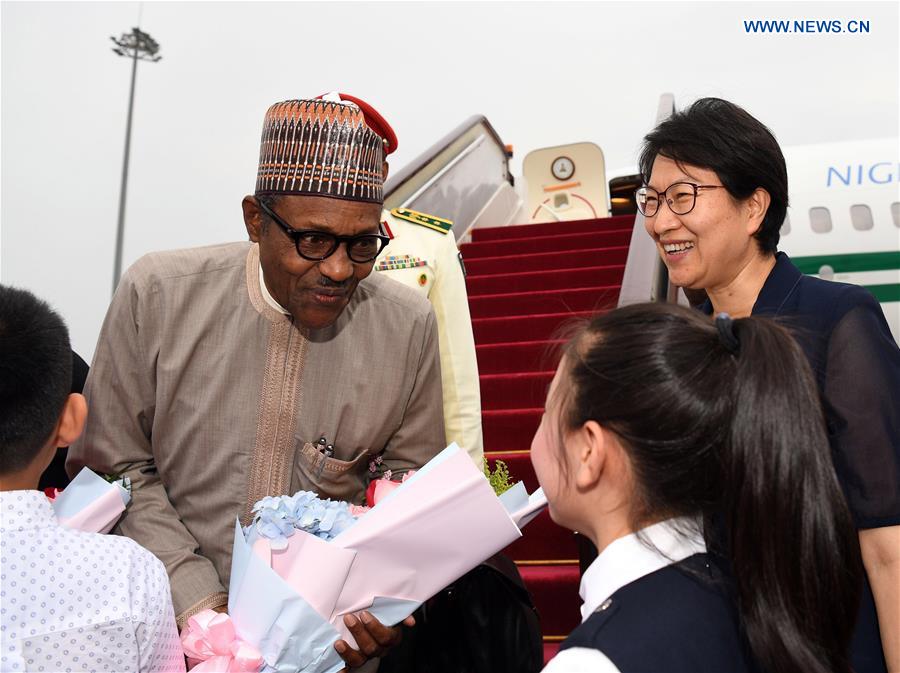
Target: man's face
{"x":314,"y":293}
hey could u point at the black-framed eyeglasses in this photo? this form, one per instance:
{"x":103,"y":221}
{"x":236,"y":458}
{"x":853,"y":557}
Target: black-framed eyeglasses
{"x":316,"y":245}
{"x":681,"y":197}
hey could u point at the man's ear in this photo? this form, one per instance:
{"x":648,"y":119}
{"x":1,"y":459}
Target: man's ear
{"x":384,"y":170}
{"x":252,"y":217}
{"x":71,"y":420}
{"x":757,"y":207}
{"x":592,"y":454}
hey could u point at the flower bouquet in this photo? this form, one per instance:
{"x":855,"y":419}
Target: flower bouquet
{"x":304,"y":563}
{"x":91,"y":503}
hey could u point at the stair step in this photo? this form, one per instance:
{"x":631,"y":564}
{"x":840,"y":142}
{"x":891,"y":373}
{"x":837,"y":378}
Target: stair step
{"x":525,"y":283}
{"x":543,"y":261}
{"x":557,"y":279}
{"x":551,"y":648}
{"x":551,"y":228}
{"x":526,"y":328}
{"x":525,"y":356}
{"x":555,"y":593}
{"x":514,"y":391}
{"x":506,"y":429}
{"x":543,"y":540}
{"x":534,"y":244}
{"x":546,"y":301}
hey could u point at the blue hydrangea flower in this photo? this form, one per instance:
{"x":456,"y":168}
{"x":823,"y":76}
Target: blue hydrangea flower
{"x":276,"y":518}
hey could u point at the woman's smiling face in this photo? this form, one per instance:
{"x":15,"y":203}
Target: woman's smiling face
{"x":707,"y":247}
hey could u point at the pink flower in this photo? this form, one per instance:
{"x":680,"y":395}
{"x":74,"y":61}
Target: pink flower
{"x":379,"y":488}
{"x":358,"y":510}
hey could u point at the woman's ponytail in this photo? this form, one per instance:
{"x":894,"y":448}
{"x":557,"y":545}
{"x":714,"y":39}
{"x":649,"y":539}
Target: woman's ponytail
{"x":790,"y":535}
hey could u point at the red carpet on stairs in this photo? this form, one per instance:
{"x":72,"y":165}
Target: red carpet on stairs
{"x":543,"y":261}
{"x":546,"y":301}
{"x":517,"y":356}
{"x":554,"y":229}
{"x":527,"y":284}
{"x":535,"y":327}
{"x":510,"y":428}
{"x":533,"y":243}
{"x":549,"y":279}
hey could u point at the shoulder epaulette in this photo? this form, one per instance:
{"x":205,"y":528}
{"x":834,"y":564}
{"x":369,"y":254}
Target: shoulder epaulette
{"x":437,"y":224}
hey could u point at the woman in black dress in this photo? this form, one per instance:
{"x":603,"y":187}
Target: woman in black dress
{"x":714,"y":200}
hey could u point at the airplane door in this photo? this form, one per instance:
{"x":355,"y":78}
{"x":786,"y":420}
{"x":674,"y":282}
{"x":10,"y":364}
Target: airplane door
{"x":566,"y":182}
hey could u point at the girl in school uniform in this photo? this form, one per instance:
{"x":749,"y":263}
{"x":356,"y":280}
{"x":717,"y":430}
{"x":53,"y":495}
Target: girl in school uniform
{"x":694,"y":455}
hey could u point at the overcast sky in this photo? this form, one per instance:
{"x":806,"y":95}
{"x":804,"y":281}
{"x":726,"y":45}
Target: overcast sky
{"x":543,"y":73}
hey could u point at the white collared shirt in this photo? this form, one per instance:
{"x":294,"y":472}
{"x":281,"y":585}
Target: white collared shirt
{"x":267,"y":296}
{"x":74,"y":601}
{"x":622,"y":562}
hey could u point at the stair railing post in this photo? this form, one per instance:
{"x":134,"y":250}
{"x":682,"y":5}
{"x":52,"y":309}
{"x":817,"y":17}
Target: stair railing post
{"x":646,"y":277}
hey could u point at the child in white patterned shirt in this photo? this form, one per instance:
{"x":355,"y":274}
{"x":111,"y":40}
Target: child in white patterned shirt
{"x":71,"y":600}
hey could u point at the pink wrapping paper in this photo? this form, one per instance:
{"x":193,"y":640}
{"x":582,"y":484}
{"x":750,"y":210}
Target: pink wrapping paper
{"x":98,"y":517}
{"x":426,"y":533}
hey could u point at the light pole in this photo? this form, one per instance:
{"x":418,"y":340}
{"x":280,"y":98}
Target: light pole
{"x":138,"y":46}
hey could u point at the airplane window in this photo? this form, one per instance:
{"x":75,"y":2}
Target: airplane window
{"x":861,"y":217}
{"x":895,"y":213}
{"x":820,"y":219}
{"x":786,"y":225}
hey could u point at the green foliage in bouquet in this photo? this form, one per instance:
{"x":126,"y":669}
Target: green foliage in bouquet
{"x":499,"y":477}
{"x":124,"y":482}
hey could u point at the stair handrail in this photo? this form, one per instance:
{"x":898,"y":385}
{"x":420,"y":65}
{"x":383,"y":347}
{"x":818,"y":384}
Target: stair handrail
{"x":398,"y":180}
{"x":637,"y":284}
{"x":459,"y":177}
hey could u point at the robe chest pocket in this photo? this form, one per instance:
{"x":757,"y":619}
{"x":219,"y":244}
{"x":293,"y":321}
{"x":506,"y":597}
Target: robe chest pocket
{"x":110,"y":646}
{"x":329,"y":477}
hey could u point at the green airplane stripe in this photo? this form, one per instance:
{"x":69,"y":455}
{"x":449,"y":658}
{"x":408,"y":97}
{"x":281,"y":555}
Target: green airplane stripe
{"x":885,"y":293}
{"x":851,"y":262}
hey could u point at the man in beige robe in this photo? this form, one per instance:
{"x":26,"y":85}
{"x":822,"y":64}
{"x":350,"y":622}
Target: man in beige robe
{"x":228,"y":373}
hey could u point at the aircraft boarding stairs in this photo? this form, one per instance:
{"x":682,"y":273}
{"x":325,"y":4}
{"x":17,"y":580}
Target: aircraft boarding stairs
{"x":525,"y":284}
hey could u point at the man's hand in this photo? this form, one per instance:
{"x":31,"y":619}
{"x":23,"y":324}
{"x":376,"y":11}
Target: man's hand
{"x":373,"y":638}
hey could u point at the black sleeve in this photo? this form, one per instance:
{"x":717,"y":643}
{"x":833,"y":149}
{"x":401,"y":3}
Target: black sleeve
{"x":862,"y":393}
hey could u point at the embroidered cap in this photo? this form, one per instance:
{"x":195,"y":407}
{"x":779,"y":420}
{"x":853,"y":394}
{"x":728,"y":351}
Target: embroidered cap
{"x":322,"y":148}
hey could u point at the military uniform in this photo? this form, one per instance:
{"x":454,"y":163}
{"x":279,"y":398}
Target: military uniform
{"x":423,"y":255}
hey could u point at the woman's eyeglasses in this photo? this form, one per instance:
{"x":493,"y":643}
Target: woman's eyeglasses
{"x":681,"y":197}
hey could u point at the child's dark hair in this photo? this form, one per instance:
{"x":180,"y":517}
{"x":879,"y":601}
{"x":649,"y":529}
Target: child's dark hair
{"x":722,"y":137}
{"x":729,"y":426}
{"x":35,"y":376}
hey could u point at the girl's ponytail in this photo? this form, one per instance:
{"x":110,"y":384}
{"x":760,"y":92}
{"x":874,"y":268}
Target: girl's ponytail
{"x":790,"y":535}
